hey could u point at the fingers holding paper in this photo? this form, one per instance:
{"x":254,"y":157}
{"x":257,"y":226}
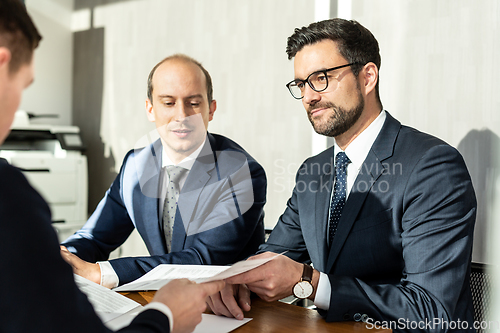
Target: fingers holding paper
{"x":81,"y":267}
{"x":186,"y":300}
{"x":231,"y":301}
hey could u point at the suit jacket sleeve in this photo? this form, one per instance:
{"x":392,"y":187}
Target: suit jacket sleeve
{"x":107,"y":228}
{"x":37,"y":286}
{"x":287,"y":234}
{"x":228,"y":232}
{"x":149,"y":321}
{"x":438,"y":215}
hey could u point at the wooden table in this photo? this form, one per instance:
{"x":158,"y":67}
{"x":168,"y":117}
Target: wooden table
{"x":279,"y":317}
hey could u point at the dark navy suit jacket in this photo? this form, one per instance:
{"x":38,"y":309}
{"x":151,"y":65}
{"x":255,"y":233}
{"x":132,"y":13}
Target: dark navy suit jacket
{"x":219,"y":218}
{"x":404,"y":241}
{"x":38,"y":292}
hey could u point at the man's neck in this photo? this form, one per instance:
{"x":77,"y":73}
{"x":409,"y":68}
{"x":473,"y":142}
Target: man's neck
{"x":177,"y":157}
{"x":367,"y":117}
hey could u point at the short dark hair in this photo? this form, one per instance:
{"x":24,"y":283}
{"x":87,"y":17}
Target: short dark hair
{"x":17,"y":33}
{"x":186,"y":58}
{"x":355,"y":43}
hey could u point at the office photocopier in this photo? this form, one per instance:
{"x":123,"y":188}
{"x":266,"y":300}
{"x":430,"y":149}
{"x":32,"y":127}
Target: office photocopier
{"x":51,"y":159}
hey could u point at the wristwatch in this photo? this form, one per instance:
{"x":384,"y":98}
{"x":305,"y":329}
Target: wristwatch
{"x":304,"y":288}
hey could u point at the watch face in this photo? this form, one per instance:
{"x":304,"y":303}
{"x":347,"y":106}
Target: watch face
{"x":302,"y":289}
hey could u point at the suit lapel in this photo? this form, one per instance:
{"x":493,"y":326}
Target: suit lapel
{"x":371,"y":170}
{"x":146,"y":196}
{"x":196,"y":181}
{"x":322,"y":204}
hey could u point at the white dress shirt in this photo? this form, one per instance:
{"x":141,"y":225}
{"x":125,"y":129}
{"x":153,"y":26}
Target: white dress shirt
{"x":356,"y":151}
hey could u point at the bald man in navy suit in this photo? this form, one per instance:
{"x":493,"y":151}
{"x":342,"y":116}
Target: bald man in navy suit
{"x":220,"y":208}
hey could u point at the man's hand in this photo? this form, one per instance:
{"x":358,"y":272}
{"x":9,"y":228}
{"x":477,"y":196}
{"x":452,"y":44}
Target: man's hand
{"x":186,"y":300}
{"x":225,"y":304}
{"x":272,"y":281}
{"x":81,"y":267}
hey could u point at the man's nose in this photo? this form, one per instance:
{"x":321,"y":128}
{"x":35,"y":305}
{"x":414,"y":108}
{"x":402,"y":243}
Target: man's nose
{"x":310,"y":95}
{"x":182,"y":112}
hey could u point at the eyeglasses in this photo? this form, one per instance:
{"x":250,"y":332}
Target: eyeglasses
{"x":318,"y":81}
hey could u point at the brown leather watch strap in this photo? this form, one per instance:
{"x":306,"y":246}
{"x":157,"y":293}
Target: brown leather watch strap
{"x":307,"y":273}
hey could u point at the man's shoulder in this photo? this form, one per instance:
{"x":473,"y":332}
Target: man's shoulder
{"x":223,"y":145}
{"x":221,"y":142}
{"x":143,"y":159}
{"x":151,"y":150}
{"x":421,"y":138}
{"x":414,"y":142}
{"x":401,"y":141}
{"x":231,"y":157}
{"x":16,"y":191}
{"x":10,"y":177}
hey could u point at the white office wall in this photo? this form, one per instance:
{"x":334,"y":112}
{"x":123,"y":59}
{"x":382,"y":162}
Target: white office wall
{"x":51,"y":91}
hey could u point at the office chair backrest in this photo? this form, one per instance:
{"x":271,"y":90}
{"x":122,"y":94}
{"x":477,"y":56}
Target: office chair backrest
{"x":480,"y":285}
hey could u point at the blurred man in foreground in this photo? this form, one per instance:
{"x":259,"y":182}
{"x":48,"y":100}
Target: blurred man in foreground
{"x":37,"y":287}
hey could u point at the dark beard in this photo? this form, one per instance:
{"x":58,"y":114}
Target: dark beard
{"x":339,"y":120}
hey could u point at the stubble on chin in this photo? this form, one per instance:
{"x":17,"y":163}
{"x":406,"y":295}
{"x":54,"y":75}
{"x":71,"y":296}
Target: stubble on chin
{"x":338,"y":121}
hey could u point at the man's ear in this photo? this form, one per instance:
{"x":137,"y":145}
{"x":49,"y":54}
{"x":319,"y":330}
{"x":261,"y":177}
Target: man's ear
{"x":149,"y":111}
{"x":370,"y":77}
{"x":5,"y":57}
{"x":211,"y":110}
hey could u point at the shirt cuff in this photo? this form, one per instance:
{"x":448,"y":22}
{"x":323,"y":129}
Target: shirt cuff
{"x":109,"y":278}
{"x":323,"y":292}
{"x":163,"y":309}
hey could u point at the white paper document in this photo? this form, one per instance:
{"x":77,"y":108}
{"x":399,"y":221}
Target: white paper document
{"x":209,"y":323}
{"x":162,"y":274}
{"x":238,"y":268}
{"x":117,"y":311}
{"x":123,"y":320}
{"x":217,"y":324}
{"x":108,"y":304}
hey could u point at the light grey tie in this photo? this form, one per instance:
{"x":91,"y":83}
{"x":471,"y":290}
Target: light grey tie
{"x":170,"y":204}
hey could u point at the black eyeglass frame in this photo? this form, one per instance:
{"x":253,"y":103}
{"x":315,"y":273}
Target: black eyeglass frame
{"x":324,"y":71}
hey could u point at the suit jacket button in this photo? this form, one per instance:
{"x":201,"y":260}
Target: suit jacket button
{"x":357,"y":317}
{"x":364,"y":318}
{"x":346,"y":316}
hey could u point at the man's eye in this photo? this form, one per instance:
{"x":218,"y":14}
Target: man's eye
{"x":168,"y":103}
{"x":194,"y":104}
{"x":300,"y":85}
{"x":321,"y":78}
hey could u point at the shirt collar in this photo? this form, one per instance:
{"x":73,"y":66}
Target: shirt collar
{"x":358,"y":149}
{"x":186,"y":163}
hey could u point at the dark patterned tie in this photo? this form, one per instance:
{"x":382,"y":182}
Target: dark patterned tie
{"x":339,"y":193}
{"x":170,"y":204}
